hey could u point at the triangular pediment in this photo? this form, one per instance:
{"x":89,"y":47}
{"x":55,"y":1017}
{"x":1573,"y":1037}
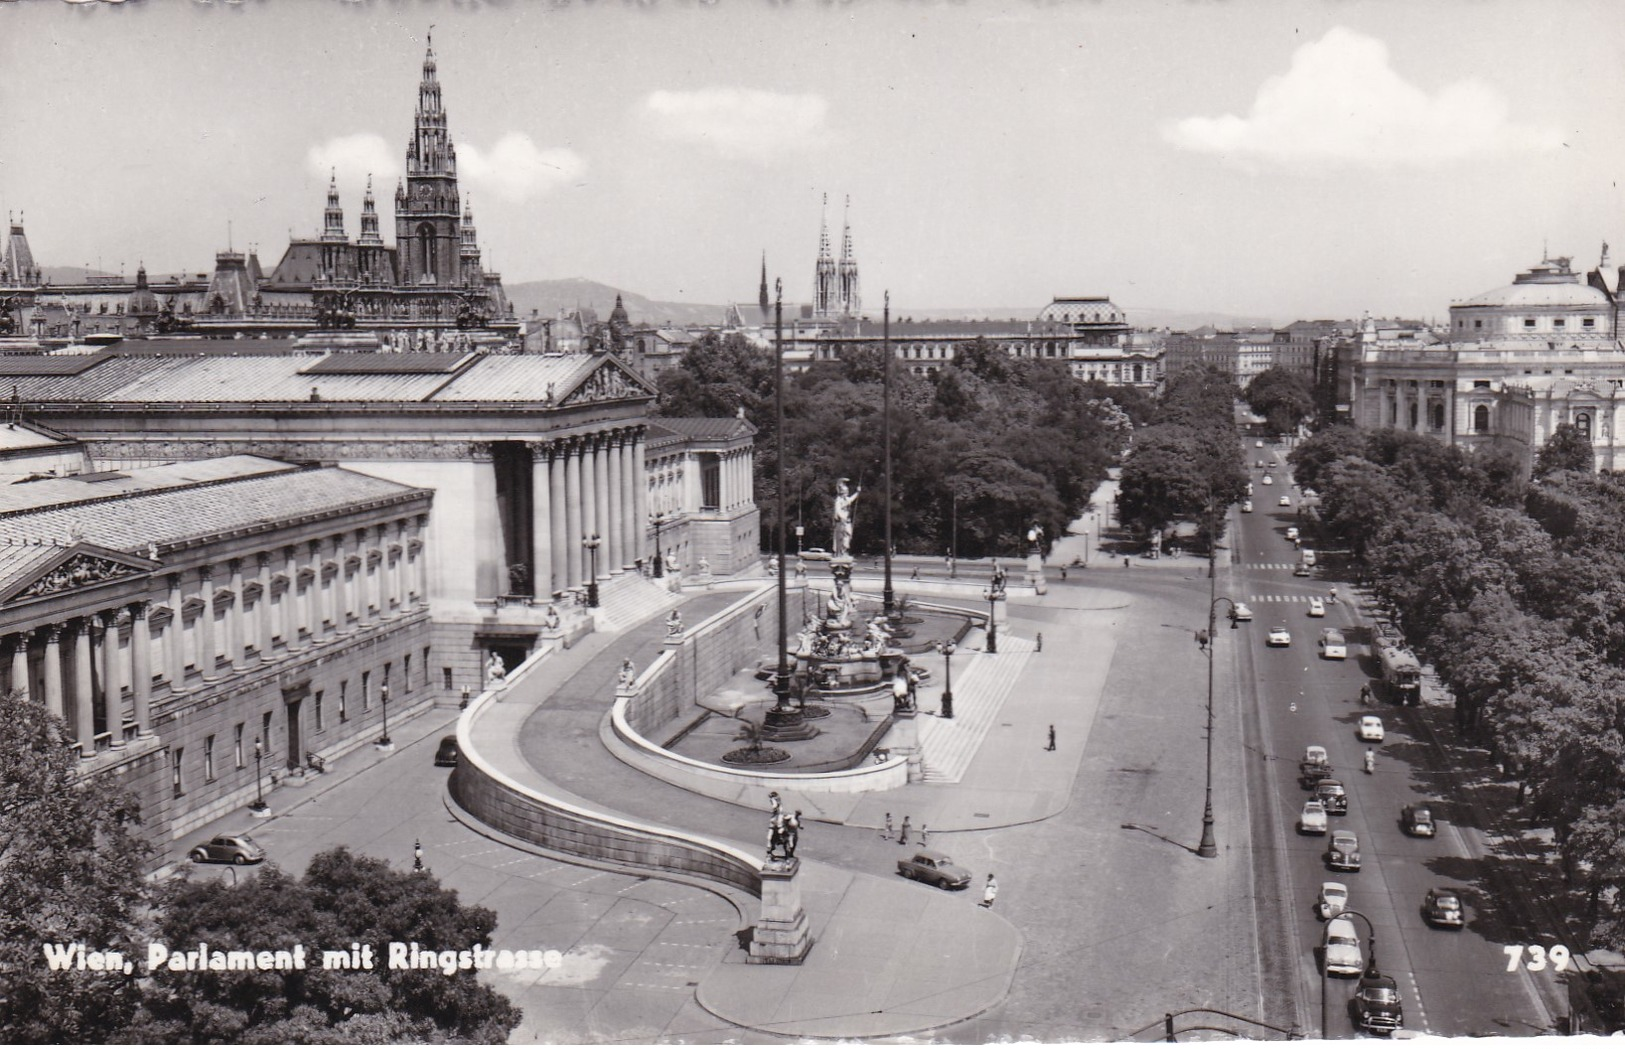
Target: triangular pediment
{"x":610,"y":381}
{"x":60,"y":569}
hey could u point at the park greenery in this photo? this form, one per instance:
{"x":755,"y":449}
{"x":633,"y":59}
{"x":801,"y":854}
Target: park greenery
{"x":1185,"y":465}
{"x":1515,"y":591}
{"x":983,"y":447}
{"x":73,"y":870}
{"x":1283,"y":397}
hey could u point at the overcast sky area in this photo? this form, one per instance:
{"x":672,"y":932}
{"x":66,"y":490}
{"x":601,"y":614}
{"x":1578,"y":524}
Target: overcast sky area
{"x":1279,"y":159}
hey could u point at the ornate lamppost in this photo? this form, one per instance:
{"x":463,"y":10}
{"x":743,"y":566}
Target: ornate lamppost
{"x":592,"y":542}
{"x":660,"y":556}
{"x":259,"y":783}
{"x":948,"y":679}
{"x":992,"y":622}
{"x":1206,"y":640}
{"x":1370,"y":967}
{"x":781,"y":681}
{"x":888,"y":600}
{"x":384,"y":740}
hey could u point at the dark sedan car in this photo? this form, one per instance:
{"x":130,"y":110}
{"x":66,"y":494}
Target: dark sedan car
{"x":229,"y":848}
{"x":447,"y":753}
{"x":1417,"y":821}
{"x":1344,"y":854}
{"x":938,"y":868}
{"x":1442,"y":908}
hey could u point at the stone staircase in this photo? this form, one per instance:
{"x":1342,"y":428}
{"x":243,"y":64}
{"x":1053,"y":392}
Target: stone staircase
{"x":979,"y":695}
{"x":628,"y":599}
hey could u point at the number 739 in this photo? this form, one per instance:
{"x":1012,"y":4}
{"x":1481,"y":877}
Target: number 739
{"x":1538,"y":957}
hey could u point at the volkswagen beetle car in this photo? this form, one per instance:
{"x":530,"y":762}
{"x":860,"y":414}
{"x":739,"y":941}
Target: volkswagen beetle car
{"x":1344,"y":854}
{"x":228,"y":848}
{"x":1280,"y":637}
{"x":936,"y":868}
{"x":1371,"y":729}
{"x":1313,"y":818}
{"x":1334,"y":897}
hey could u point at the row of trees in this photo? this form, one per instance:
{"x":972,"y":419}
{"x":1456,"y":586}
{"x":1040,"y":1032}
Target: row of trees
{"x":1186,"y":465}
{"x":1515,"y":591}
{"x":982,"y":448}
{"x":72,"y":870}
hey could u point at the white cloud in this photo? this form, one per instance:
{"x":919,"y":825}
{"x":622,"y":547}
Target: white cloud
{"x":355,"y":157}
{"x":1341,"y":102}
{"x":515,"y":170}
{"x":741,"y":124}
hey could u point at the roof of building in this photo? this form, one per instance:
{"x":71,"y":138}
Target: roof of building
{"x":1550,"y":284}
{"x":700,"y":429}
{"x":167,"y":513}
{"x":17,"y":436}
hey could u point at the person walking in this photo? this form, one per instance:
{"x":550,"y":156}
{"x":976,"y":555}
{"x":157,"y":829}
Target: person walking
{"x":902,"y":836}
{"x":1051,"y":738}
{"x":922,"y":835}
{"x":890,"y":830}
{"x":916,"y":573}
{"x":990,"y":892}
{"x":1063,"y":573}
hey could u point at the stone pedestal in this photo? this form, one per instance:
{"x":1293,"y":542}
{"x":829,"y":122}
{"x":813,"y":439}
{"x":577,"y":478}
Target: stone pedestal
{"x":905,"y":740}
{"x":781,"y":936}
{"x":1035,"y":573}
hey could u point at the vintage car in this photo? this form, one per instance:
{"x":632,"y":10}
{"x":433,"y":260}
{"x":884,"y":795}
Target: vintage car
{"x":1246,"y":506}
{"x":1313,"y":818}
{"x":1341,"y":953}
{"x":1241,"y":613}
{"x":1284,"y":501}
{"x":446,"y":754}
{"x":1291,"y":532}
{"x":1376,"y":1005}
{"x":1330,"y":793}
{"x":1301,"y":569}
{"x":937,"y":868}
{"x":1442,"y":908}
{"x":1314,"y":767}
{"x":1417,"y":821}
{"x":1317,"y":608}
{"x":1344,"y":853}
{"x":1333,"y":645}
{"x":1371,"y":728}
{"x":1267,"y":479}
{"x":1334,"y":898}
{"x":228,"y":848}
{"x":1279,"y":637}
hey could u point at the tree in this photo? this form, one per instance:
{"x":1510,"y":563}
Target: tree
{"x":71,"y":871}
{"x":1283,"y":396}
{"x":1566,"y":449}
{"x":342,"y":899}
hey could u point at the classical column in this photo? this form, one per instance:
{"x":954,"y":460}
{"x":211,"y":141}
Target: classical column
{"x":616,"y":537}
{"x":395,"y":567}
{"x":234,"y":616}
{"x":262,"y":608}
{"x":84,"y":702}
{"x":175,"y":635}
{"x":572,"y":502}
{"x":631,"y":530}
{"x":600,"y":492}
{"x":423,"y":559}
{"x":141,"y":667}
{"x":490,"y":562}
{"x":339,"y":597}
{"x":560,"y":530}
{"x":541,"y":523}
{"x":19,"y":666}
{"x":640,"y":479}
{"x":112,"y":690}
{"x":205,"y":623}
{"x":53,"y":670}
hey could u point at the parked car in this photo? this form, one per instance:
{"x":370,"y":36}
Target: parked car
{"x":1241,"y":613}
{"x":1334,"y":898}
{"x":1291,"y":532}
{"x":1280,"y":637}
{"x":1247,"y":506}
{"x":229,"y":848}
{"x":815,"y":553}
{"x":1317,"y":607}
{"x":1313,"y":818}
{"x":1376,"y":1005}
{"x":1332,"y":794}
{"x":1284,"y":501}
{"x":1417,"y":821}
{"x":1333,"y":645}
{"x":1341,"y":948}
{"x":446,"y":754}
{"x":936,"y":868}
{"x":1442,"y":908}
{"x":1344,"y":853}
{"x":1371,"y":729}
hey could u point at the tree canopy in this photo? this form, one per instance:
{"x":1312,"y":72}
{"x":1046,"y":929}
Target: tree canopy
{"x":1187,"y":465}
{"x":1285,"y":397}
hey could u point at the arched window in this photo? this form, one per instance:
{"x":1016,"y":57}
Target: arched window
{"x":426,"y":253}
{"x":1139,"y":373}
{"x":1481,"y":419}
{"x":1414,"y":409}
{"x":1582,"y":422}
{"x":1436,"y":415}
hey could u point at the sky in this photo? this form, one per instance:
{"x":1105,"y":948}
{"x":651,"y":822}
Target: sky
{"x":1277,"y":159}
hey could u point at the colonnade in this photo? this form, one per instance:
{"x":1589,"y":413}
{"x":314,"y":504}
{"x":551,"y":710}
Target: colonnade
{"x":220,"y":617}
{"x":591,"y":485}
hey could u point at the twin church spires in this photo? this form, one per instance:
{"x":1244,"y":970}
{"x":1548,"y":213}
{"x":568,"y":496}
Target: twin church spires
{"x":835,"y":283}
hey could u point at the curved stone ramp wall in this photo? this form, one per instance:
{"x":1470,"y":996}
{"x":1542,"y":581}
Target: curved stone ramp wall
{"x":528,"y":813}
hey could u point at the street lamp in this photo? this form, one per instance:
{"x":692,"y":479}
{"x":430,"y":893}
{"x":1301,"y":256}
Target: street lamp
{"x":888,"y":599}
{"x":1370,"y":967}
{"x":592,"y":542}
{"x":1207,"y":641}
{"x":259,"y":788}
{"x":948,"y":679}
{"x":417,"y":854}
{"x":992,"y":621}
{"x":953,"y":541}
{"x":383,"y":695}
{"x":660,"y":557}
{"x":800,"y":531}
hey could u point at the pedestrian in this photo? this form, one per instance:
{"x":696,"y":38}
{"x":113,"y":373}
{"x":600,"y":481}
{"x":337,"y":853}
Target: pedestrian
{"x":916,"y":573}
{"x":1051,"y":738}
{"x":990,"y":892}
{"x":1063,"y":573}
{"x":1125,"y":562}
{"x":890,"y":830}
{"x":902,"y":836}
{"x":922,"y":835}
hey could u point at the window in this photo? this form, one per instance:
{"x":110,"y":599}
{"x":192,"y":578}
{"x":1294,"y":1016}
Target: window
{"x":387,"y":667}
{"x":1529,"y":322}
{"x":406,"y":672}
{"x":344,"y":689}
{"x":175,"y":780}
{"x":1481,"y":384}
{"x":1558,"y":323}
{"x":366,"y":690}
{"x":208,"y":760}
{"x":1481,"y":419}
{"x":445,"y":678}
{"x":266,"y":734}
{"x":1582,"y":422}
{"x":1589,"y":322}
{"x":239,"y":745}
{"x":321,"y":718}
{"x":1478,"y":324}
{"x":426,"y":667}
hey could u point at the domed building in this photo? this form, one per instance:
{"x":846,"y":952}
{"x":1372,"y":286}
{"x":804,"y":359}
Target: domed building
{"x":1515,"y":363}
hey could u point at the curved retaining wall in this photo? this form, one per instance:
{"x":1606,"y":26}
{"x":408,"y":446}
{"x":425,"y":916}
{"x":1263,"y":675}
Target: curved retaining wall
{"x":530,"y":814}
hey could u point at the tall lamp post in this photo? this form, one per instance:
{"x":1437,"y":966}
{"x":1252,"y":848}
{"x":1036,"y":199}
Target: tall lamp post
{"x":800,"y":531}
{"x":992,"y":622}
{"x":948,"y":679}
{"x":383,"y":695}
{"x":592,"y":542}
{"x":259,"y":783}
{"x":1209,"y":848}
{"x":660,"y":557}
{"x":888,"y":599}
{"x":781,"y":680}
{"x":953,"y":532}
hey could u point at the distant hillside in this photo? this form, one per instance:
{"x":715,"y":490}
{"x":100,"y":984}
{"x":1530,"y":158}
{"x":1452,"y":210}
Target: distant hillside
{"x":547,"y":297}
